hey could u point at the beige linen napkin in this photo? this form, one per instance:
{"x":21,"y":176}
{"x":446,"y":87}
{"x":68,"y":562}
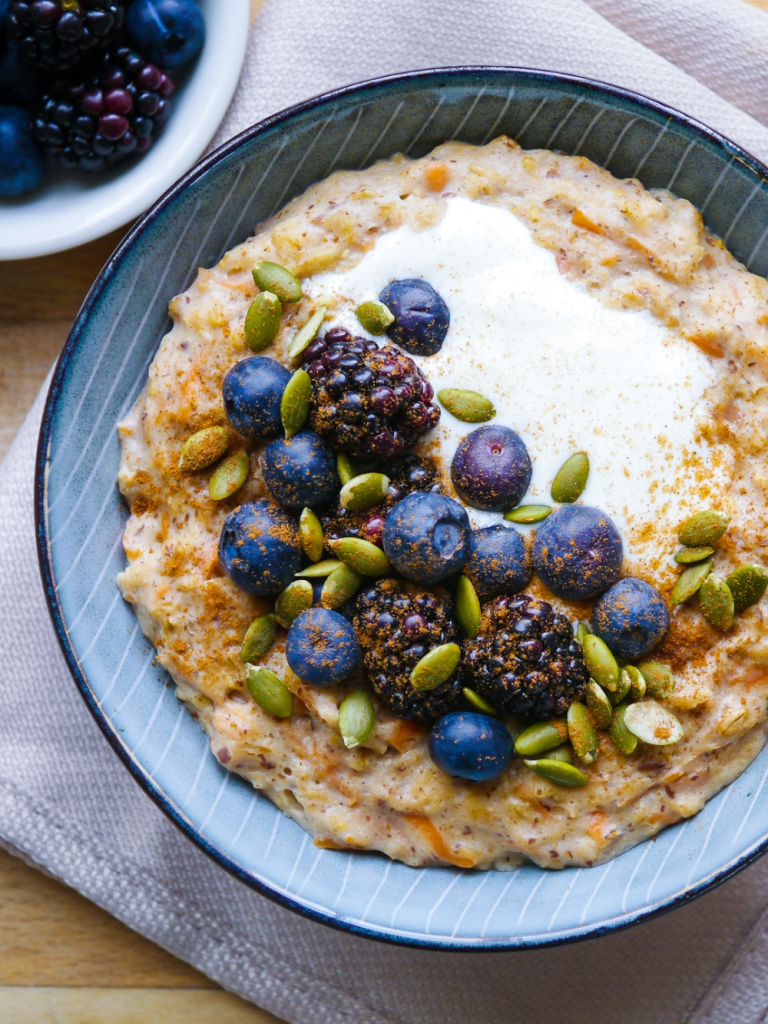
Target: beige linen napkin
{"x":68,"y":805}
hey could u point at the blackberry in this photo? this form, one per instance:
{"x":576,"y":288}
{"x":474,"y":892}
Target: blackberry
{"x":407,"y":475}
{"x":118,"y":109}
{"x":396,"y":626}
{"x":525,"y":659}
{"x":368,"y":401}
{"x":58,"y":35}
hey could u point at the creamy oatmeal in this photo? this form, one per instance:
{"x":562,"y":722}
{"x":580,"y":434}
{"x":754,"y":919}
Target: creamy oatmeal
{"x":596,"y":317}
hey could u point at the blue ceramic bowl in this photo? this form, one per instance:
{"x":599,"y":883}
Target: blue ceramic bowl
{"x":81,"y":517}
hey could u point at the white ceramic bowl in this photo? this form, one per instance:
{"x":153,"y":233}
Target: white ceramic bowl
{"x":69,"y":209}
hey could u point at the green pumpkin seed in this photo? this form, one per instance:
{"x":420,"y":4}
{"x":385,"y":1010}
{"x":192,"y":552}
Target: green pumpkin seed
{"x":748,"y":584}
{"x":599,"y":705}
{"x":374,"y":317}
{"x":582,"y":632}
{"x":467,"y":607}
{"x":653,"y":724}
{"x":340,"y":587}
{"x":262,"y":321}
{"x":229,"y":476}
{"x":364,"y":491}
{"x":601,"y":664}
{"x":540,"y":737}
{"x":345,"y":468}
{"x":259,"y":638}
{"x":271,"y":277}
{"x":703,"y":529}
{"x":477,"y":702}
{"x":436,"y":667}
{"x":294,"y":405}
{"x":689,"y":581}
{"x":306,"y":334}
{"x":527,"y":514}
{"x":467,"y":406}
{"x":622,"y":690}
{"x":559,"y":771}
{"x":582,"y":733}
{"x":623,"y":739}
{"x":571,"y":479}
{"x":637,"y":682}
{"x":716,"y":602}
{"x":362,"y":556}
{"x":311,"y":535}
{"x":356,"y":718}
{"x":295,"y":599}
{"x":320,"y":569}
{"x":269,"y":692}
{"x":689,"y":556}
{"x":203,"y":449}
{"x":563,"y":753}
{"x":659,"y":681}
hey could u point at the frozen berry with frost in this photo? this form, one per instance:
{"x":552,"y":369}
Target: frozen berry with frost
{"x":421,"y":316}
{"x":406,"y":475}
{"x":631,"y":618}
{"x":577,"y":552}
{"x":322,"y":647}
{"x":499,"y":561}
{"x":300,"y":471}
{"x":525,"y":658}
{"x":396,"y":625}
{"x":468,"y":745}
{"x":253,"y":390}
{"x":426,"y":537}
{"x":369,"y":402}
{"x":259,"y":547}
{"x":491,"y":468}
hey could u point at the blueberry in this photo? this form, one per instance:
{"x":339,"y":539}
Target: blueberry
{"x":491,"y":468}
{"x":300,"y":471}
{"x":167,"y":32}
{"x":499,"y":561}
{"x":421,"y":316}
{"x":322,"y":647}
{"x":259,"y":547}
{"x":468,"y":745}
{"x":426,"y":537}
{"x":21,"y":159}
{"x":631,"y":618}
{"x":252,"y":390}
{"x":577,"y":552}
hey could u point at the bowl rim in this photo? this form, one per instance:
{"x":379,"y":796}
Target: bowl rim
{"x":141,"y":776}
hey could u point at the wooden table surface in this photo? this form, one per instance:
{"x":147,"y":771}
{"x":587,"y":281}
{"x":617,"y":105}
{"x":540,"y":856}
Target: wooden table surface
{"x":62,"y":959}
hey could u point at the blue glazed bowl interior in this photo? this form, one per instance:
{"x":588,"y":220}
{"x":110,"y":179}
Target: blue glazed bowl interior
{"x":81,"y":517}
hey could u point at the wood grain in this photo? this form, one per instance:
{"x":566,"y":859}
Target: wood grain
{"x":126,"y":1006}
{"x":84,"y":945}
{"x":38,"y":301}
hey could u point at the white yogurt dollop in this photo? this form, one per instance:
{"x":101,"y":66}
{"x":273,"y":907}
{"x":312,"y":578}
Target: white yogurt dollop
{"x":562,"y":369}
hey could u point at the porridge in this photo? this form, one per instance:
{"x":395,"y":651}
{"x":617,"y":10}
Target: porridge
{"x":447,"y":496}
